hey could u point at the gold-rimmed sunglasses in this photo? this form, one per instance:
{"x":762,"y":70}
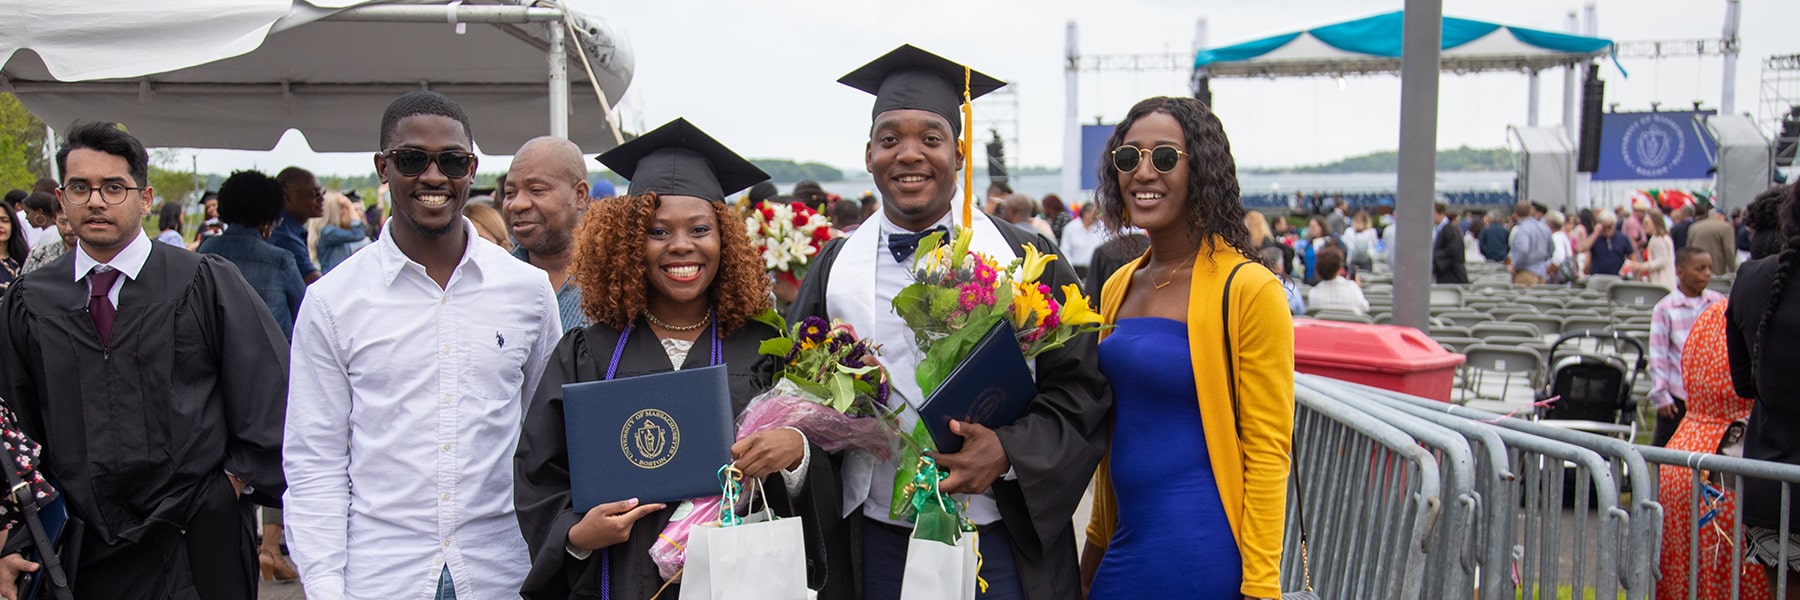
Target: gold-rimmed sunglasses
{"x":1163,"y":157}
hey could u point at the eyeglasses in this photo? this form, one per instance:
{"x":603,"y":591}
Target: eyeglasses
{"x":412,"y":162}
{"x":79,"y":192}
{"x":1164,"y":158}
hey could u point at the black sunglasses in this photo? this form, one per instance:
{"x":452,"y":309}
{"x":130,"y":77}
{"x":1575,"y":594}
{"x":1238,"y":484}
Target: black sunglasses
{"x":412,"y":162}
{"x":1164,"y":158}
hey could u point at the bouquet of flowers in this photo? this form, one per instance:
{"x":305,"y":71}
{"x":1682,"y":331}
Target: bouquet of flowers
{"x":830,"y":388}
{"x":958,"y":295}
{"x":787,"y":236}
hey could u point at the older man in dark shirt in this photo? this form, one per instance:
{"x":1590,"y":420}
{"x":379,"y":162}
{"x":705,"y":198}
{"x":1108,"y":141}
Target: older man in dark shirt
{"x":305,"y":199}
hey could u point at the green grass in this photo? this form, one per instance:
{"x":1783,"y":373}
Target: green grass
{"x":1564,"y":592}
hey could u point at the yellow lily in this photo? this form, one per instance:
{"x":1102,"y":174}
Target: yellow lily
{"x":1029,"y":306}
{"x":1034,"y":264}
{"x":1076,"y":310}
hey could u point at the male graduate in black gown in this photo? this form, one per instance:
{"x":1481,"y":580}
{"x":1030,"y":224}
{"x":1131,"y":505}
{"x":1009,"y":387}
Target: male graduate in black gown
{"x":156,"y":381}
{"x":1023,"y":479}
{"x":688,"y":226}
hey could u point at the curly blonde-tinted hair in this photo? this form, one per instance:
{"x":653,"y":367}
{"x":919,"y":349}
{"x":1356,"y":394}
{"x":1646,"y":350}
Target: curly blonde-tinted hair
{"x":609,"y":264}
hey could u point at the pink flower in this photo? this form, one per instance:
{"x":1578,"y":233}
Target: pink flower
{"x":968,"y":296}
{"x":985,"y":273}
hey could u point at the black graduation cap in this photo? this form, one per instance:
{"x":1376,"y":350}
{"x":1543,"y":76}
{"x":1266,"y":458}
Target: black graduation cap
{"x":909,"y":77}
{"x":678,"y":159}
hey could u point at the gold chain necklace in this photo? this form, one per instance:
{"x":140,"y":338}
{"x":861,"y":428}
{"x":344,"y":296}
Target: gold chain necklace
{"x":659,"y":322}
{"x":1172,"y":274}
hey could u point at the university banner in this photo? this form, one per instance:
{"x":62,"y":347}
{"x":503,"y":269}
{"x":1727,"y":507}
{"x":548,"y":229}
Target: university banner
{"x":1093,"y":153}
{"x":1655,"y":145}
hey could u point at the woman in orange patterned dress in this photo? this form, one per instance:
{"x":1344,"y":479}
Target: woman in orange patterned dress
{"x":1712,"y":407}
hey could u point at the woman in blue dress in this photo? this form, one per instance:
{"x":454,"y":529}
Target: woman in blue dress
{"x":1191,"y":499}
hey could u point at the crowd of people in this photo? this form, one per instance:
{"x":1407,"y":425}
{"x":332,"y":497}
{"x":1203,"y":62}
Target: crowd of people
{"x":393,"y":380}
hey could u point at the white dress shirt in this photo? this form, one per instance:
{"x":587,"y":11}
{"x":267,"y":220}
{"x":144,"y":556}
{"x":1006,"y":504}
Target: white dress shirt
{"x":26,"y":229}
{"x":864,"y":280}
{"x":129,"y":262}
{"x":1339,"y":294}
{"x":1079,"y":242}
{"x":404,"y":405}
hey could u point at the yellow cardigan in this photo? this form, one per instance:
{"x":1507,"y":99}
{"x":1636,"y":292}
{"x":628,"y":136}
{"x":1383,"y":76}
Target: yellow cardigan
{"x":1251,"y":470}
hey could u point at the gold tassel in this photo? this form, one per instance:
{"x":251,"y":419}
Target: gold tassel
{"x":967,"y":143}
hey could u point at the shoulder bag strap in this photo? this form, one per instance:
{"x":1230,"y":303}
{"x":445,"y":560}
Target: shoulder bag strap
{"x":25,"y":499}
{"x":1231,"y":377}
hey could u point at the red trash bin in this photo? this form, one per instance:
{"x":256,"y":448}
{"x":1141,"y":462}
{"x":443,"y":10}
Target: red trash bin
{"x":1390,"y":357}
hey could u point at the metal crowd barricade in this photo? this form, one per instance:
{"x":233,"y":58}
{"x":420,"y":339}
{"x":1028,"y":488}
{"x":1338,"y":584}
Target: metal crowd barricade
{"x":1371,"y":500}
{"x":1491,"y":540}
{"x":1449,"y":569}
{"x":1523,"y":533}
{"x":1695,"y":464}
{"x":1626,"y":466}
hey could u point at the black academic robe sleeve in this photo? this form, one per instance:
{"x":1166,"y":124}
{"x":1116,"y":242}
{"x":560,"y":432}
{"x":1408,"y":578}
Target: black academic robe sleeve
{"x":1055,"y":447}
{"x":252,"y":380}
{"x":541,"y":466}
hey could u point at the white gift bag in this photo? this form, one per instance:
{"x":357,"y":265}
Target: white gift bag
{"x":762,"y":559}
{"x":939,"y":571}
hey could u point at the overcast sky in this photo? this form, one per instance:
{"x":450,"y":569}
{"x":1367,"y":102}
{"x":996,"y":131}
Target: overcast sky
{"x":761,"y":74}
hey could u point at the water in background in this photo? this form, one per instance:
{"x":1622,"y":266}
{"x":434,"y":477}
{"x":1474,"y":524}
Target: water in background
{"x":1251,"y":185}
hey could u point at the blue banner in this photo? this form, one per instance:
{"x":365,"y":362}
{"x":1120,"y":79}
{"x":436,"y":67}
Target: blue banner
{"x":1654,"y":145}
{"x":1093,"y":153}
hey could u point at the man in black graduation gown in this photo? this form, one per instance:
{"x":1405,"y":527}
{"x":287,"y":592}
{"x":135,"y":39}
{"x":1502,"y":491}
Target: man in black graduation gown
{"x":1029,"y":475}
{"x":156,"y":381}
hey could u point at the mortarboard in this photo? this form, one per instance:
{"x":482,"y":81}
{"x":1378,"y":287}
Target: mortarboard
{"x":912,"y":78}
{"x":678,"y":159}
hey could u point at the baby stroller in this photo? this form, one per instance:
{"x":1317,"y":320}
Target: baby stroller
{"x":1591,"y":382}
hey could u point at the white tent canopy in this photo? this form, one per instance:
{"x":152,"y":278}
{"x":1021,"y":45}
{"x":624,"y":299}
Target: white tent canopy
{"x":1744,"y":163}
{"x":1546,"y":165}
{"x":239,"y":73}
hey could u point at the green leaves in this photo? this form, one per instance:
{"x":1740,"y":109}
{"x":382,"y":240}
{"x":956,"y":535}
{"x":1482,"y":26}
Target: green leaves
{"x":776,"y":347}
{"x":943,"y":356}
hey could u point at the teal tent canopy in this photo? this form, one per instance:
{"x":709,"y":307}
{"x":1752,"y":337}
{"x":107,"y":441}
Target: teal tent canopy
{"x":1372,"y":45}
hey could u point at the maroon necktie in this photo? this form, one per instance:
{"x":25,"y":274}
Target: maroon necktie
{"x":100,"y":307}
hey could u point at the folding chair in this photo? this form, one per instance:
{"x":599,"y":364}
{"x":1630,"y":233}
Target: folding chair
{"x":1636,"y":294}
{"x":1602,"y":282}
{"x":1343,"y":316}
{"x":1443,"y":295}
{"x":1518,"y":370}
{"x":1466,"y":319}
{"x":1547,"y":325}
{"x":1505,"y":329}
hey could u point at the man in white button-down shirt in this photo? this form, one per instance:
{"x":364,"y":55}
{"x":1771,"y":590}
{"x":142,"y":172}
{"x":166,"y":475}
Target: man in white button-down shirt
{"x":413,"y":362}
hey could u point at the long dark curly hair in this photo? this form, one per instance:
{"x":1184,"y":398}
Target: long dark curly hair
{"x":1213,"y":206}
{"x":1784,"y":267}
{"x":609,"y":264}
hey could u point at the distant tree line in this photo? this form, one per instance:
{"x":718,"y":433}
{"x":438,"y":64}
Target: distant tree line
{"x":1388,"y":161}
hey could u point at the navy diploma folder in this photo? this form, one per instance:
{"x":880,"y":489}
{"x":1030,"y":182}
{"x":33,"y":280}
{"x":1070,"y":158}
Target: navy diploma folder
{"x":992,"y":387}
{"x":659,"y":437}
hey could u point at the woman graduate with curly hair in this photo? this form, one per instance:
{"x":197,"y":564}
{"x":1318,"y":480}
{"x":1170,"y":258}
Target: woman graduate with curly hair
{"x":669,"y":268}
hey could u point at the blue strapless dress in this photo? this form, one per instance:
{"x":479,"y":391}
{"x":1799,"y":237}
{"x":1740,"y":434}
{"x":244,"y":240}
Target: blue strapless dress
{"x":1172,"y":539}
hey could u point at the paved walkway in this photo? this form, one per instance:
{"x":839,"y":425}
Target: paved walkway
{"x":274,"y":590}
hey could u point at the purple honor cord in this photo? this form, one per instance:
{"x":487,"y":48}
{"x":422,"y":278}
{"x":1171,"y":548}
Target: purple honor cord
{"x":717,"y":356}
